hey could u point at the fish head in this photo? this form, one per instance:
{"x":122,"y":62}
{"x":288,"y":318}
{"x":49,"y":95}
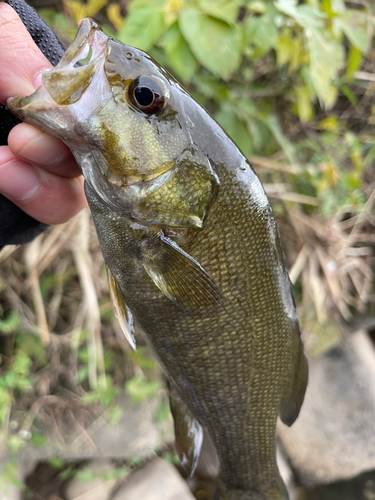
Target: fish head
{"x":127,"y":121}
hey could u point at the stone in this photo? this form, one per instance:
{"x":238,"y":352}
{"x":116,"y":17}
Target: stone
{"x":94,"y":482}
{"x":157,"y":480}
{"x":286,"y":474}
{"x":333,"y":438}
{"x":134,"y":435}
{"x":359,"y":488}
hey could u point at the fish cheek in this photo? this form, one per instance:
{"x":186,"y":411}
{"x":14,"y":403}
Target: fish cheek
{"x":183,"y":201}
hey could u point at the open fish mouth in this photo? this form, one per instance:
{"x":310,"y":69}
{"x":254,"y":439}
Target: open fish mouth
{"x":67,"y":82}
{"x":61,"y":101}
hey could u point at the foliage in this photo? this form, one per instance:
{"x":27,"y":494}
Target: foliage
{"x":262,"y":67}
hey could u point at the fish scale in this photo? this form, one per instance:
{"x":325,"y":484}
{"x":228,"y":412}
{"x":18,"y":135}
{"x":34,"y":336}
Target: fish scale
{"x":193,"y":253}
{"x":226,"y":361}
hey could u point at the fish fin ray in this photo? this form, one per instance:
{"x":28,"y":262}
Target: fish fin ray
{"x":290,"y":404}
{"x":188,"y":433}
{"x":122,"y":312}
{"x":180,"y":277}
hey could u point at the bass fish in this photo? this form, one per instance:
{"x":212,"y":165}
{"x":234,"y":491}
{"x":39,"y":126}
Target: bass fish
{"x":193,"y":252}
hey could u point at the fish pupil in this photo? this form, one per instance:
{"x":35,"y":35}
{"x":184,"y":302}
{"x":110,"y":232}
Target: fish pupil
{"x":147,"y":94}
{"x":144,"y":96}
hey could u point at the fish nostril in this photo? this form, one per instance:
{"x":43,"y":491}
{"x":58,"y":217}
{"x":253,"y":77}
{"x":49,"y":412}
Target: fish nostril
{"x":129,"y":55}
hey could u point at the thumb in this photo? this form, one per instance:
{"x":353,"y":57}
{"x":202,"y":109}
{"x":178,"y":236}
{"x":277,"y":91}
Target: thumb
{"x":21,"y":61}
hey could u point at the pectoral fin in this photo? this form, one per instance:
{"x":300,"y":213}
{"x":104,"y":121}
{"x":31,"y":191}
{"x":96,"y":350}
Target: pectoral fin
{"x":291,"y":404}
{"x":188,"y":432}
{"x":180,"y":277}
{"x":122,"y":312}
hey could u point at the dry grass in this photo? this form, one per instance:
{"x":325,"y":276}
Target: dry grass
{"x":57,"y":286}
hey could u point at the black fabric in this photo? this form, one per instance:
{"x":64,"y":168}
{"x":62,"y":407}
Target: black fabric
{"x":16,"y":227}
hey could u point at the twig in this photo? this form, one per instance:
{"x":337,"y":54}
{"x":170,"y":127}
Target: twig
{"x":31,"y":259}
{"x":83,"y":262}
{"x":363,"y":75}
{"x":273,"y":165}
{"x":299,"y":264}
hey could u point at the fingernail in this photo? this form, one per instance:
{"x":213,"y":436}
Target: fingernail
{"x":18,"y":180}
{"x":41,"y":148}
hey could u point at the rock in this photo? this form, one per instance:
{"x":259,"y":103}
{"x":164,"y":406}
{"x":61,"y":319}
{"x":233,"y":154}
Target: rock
{"x":157,"y":480}
{"x":134,"y":435}
{"x":286,"y":474}
{"x":334,"y":438}
{"x":358,"y":488}
{"x":94,"y":482}
{"x":9,"y":491}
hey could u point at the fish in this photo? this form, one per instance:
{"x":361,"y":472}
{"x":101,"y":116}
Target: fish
{"x":192,"y":249}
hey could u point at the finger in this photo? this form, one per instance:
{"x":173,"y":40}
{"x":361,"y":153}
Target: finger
{"x":43,"y":195}
{"x":22,"y":66}
{"x":31,"y":144}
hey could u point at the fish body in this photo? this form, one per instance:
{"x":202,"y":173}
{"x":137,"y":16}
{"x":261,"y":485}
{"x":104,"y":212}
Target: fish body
{"x":193,"y":252}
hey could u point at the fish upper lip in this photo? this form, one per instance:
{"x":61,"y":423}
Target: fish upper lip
{"x":89,"y":36}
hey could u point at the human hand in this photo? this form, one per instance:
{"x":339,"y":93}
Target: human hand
{"x":37,"y":171}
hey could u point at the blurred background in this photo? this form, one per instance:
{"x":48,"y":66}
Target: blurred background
{"x":82,"y":416}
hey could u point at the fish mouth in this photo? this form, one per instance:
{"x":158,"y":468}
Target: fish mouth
{"x":66,"y":83}
{"x":69,"y":79}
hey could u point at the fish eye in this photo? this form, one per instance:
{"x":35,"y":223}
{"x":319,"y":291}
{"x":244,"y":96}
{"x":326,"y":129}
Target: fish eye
{"x":147,"y":94}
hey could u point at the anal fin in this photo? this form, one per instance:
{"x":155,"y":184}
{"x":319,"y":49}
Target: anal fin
{"x":188,"y":433}
{"x":122,"y":312}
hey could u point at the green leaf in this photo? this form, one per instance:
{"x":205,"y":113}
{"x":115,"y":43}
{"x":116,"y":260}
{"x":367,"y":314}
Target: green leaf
{"x":15,"y":443}
{"x":143,"y":358}
{"x":284,"y":142}
{"x":304,"y":106}
{"x":179,"y":54}
{"x":261,"y":31}
{"x":349,"y":95}
{"x":140,"y":388}
{"x":143,"y":27}
{"x":354,"y":24}
{"x":38,"y":439}
{"x":306,"y":16}
{"x":288,"y":51}
{"x":82,"y":373}
{"x":337,"y":6}
{"x":9,"y":324}
{"x":326,"y":59}
{"x":235,"y":128}
{"x":214,"y":43}
{"x":226,"y":10}
{"x":56,"y":463}
{"x":139,"y":4}
{"x":32,"y":346}
{"x":354,"y":61}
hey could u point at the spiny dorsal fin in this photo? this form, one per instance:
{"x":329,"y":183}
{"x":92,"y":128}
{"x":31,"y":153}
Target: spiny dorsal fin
{"x":188,"y":432}
{"x":180,"y":277}
{"x":122,"y":312}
